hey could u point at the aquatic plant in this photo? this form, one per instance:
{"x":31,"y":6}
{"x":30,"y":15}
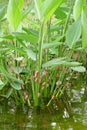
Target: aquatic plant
{"x":38,"y":59}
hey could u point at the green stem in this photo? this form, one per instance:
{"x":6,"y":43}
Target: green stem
{"x":65,"y":27}
{"x":48,"y":40}
{"x":48,"y":30}
{"x":68,"y":18}
{"x":40,"y":43}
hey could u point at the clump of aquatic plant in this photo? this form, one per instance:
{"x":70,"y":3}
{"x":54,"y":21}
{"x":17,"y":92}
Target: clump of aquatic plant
{"x":38,"y":62}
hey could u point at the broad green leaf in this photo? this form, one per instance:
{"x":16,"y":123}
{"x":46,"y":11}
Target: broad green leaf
{"x":57,"y":61}
{"x":31,"y":54}
{"x":50,"y":45}
{"x":2,"y":11}
{"x":77,"y":9}
{"x":26,"y":37}
{"x":49,"y":7}
{"x":79,"y":68}
{"x":31,"y":31}
{"x":60,"y":61}
{"x":20,"y":3}
{"x":60,"y":13}
{"x":73,"y":33}
{"x":45,"y":8}
{"x":16,"y":85}
{"x":20,"y":35}
{"x":12,"y":47}
{"x":85,"y":9}
{"x":53,"y":51}
{"x":72,"y":63}
{"x":84,"y":30}
{"x":59,"y":38}
{"x":14,"y":15}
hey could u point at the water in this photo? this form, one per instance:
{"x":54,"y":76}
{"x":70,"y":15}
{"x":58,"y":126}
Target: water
{"x":23,"y":118}
{"x":17,"y":119}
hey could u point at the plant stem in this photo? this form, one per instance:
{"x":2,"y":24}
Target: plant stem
{"x":40,"y":43}
{"x":48,"y":30}
{"x":68,"y":17}
{"x":65,"y":27}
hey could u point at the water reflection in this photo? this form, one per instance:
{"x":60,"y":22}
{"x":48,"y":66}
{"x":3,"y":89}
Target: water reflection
{"x":32,"y":120}
{"x":12,"y":118}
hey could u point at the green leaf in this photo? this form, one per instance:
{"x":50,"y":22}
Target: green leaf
{"x":31,"y":54}
{"x":2,"y":11}
{"x":14,"y":15}
{"x":60,"y":13}
{"x":31,"y":32}
{"x":50,"y":45}
{"x":38,"y":5}
{"x":84,"y":30}
{"x":7,"y":95}
{"x":9,"y":92}
{"x":2,"y":84}
{"x":54,"y":62}
{"x":8,"y":37}
{"x":20,"y":3}
{"x":77,"y":9}
{"x":85,"y":9}
{"x":46,"y":8}
{"x":60,"y":61}
{"x":73,"y":33}
{"x":27,"y":11}
{"x":72,"y":63}
{"x":79,"y":68}
{"x":49,"y":7}
{"x":12,"y":47}
{"x":9,"y":76}
{"x":25,"y":37}
{"x":16,"y":85}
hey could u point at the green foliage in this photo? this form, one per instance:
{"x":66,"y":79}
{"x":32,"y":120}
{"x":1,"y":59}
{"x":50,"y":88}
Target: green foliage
{"x":73,"y":33}
{"x":84,"y":31}
{"x":77,"y":9}
{"x":60,"y":13}
{"x":2,"y":11}
{"x":37,"y":57}
{"x":79,"y":69}
{"x":46,"y":8}
{"x":16,"y":85}
{"x":15,"y":14}
{"x":80,"y":10}
{"x":54,"y":62}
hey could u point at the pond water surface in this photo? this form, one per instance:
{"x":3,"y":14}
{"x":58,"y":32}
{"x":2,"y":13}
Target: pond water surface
{"x":48,"y":119}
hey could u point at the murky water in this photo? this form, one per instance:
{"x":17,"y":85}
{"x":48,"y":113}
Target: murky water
{"x":48,"y":119}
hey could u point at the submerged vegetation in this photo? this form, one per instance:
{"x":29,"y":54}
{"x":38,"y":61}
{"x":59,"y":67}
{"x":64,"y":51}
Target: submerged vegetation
{"x":43,"y":48}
